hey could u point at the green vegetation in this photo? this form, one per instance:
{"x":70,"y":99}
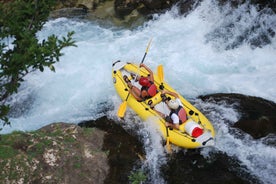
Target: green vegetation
{"x":20,"y":51}
{"x":7,"y":152}
{"x":137,"y":177}
{"x":10,"y":144}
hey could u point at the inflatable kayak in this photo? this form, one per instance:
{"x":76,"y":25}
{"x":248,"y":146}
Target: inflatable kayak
{"x":195,"y":132}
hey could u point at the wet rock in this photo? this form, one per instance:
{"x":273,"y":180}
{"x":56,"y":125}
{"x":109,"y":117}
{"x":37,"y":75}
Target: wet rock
{"x":88,"y":4}
{"x":258,"y":116}
{"x":157,"y":5}
{"x":256,"y":128}
{"x":124,"y":150}
{"x":135,"y":12}
{"x":124,"y":7}
{"x":259,"y":3}
{"x":191,"y":167}
{"x":186,"y":6}
{"x":69,"y":13}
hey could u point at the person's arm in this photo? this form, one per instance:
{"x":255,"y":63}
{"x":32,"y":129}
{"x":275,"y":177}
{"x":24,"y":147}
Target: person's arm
{"x":170,"y":93}
{"x":159,"y":113}
{"x":149,"y":70}
{"x":175,"y":123}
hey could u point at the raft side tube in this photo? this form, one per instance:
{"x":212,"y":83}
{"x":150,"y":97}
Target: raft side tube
{"x":118,"y":65}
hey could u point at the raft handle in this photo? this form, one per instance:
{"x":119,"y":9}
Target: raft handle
{"x":116,"y":62}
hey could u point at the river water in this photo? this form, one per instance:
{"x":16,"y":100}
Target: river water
{"x":208,"y":51}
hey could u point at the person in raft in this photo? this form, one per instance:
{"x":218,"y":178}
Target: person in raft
{"x":177,"y":113}
{"x":148,"y":88}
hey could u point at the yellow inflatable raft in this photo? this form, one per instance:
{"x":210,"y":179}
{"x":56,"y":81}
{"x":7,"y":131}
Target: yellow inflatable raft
{"x":184,"y":136}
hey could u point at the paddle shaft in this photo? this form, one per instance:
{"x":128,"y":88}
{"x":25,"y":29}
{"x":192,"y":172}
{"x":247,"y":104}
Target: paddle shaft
{"x":146,"y":51}
{"x":127,"y":95}
{"x":161,"y":77}
{"x":140,"y":64}
{"x":143,"y":58}
{"x":168,"y":146}
{"x":123,"y":106}
{"x":142,"y":61}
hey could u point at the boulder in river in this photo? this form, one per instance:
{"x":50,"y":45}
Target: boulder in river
{"x":258,"y":116}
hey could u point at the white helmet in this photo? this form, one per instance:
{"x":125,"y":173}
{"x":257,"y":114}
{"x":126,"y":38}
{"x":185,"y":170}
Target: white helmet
{"x":173,"y":104}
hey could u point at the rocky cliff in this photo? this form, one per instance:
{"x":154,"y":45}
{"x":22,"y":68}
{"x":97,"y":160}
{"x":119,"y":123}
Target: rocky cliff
{"x":57,"y":153}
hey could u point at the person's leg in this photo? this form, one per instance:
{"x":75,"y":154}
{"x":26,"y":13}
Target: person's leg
{"x":134,"y":91}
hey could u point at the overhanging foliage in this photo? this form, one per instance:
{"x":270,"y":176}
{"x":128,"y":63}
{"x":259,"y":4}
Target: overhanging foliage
{"x":20,"y":20}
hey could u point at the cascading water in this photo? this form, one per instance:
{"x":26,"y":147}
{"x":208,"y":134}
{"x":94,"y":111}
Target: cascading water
{"x":208,"y":51}
{"x":155,"y":153}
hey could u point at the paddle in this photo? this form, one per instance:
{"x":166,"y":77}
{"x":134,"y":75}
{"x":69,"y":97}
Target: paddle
{"x":160,"y":74}
{"x":168,"y":146}
{"x":123,"y":106}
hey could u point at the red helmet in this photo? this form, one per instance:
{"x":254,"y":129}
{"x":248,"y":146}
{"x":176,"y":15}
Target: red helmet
{"x":144,"y":81}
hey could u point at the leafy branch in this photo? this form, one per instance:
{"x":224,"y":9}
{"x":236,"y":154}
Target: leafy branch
{"x":20,"y":20}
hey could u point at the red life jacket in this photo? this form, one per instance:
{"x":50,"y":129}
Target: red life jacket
{"x":151,"y":89}
{"x":181,"y":113}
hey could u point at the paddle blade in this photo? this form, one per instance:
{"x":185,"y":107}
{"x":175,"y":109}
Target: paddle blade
{"x":146,"y":51}
{"x":160,"y":72}
{"x":168,"y":146}
{"x":148,"y":45}
{"x":122,"y":110}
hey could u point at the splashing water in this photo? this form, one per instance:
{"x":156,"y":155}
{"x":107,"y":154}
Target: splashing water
{"x":155,"y":153}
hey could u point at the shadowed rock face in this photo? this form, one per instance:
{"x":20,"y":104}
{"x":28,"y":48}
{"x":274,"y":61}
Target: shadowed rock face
{"x":124,"y":150}
{"x":192,"y":168}
{"x":258,"y":116}
{"x":256,"y":128}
